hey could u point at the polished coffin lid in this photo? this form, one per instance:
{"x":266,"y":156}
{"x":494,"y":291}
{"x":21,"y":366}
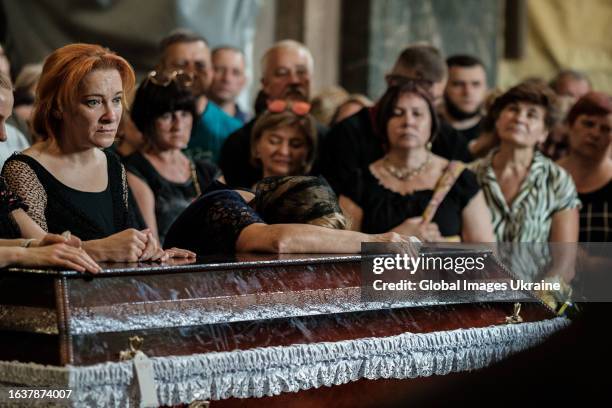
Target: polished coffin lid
{"x":216,"y":304}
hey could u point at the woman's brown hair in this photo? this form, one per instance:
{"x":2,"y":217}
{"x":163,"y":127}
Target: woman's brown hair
{"x":386,"y":106}
{"x":270,"y":120}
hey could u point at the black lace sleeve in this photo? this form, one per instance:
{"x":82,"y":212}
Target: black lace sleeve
{"x":9,"y":202}
{"x":212,"y":224}
{"x":22,"y":180}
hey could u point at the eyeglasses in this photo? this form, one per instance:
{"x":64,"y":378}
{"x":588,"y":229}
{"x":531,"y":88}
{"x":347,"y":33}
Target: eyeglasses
{"x":298,"y":107}
{"x":182,"y":78}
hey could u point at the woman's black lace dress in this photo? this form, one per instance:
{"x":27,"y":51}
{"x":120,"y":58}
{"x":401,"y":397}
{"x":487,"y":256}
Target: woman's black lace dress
{"x":212,"y":223}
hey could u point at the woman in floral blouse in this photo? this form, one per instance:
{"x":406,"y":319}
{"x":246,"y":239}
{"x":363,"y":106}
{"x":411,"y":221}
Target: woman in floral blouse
{"x":531,"y":199}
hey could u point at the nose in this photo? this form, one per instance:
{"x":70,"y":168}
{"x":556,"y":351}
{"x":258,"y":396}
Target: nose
{"x":110,"y":114}
{"x":284,"y":149}
{"x":189,"y":68}
{"x":408,"y":119}
{"x":294,"y":77}
{"x":176,"y":119}
{"x":521,"y":115}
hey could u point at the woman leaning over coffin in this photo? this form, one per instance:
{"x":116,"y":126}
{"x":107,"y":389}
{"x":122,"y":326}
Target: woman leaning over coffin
{"x":411,"y":190}
{"x":530,"y":198}
{"x":66,"y":179}
{"x":286,"y":214}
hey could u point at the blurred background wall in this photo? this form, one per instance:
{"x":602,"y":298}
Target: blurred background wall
{"x":565,"y":34}
{"x":354,"y":41}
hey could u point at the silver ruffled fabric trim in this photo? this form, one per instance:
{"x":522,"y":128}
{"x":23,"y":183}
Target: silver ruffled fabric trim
{"x":272,"y":370}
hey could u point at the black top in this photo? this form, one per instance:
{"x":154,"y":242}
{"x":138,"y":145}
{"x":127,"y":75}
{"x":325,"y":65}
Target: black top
{"x":596,"y":215}
{"x":471,"y":133}
{"x":9,"y":202}
{"x":235,"y":163}
{"x":170,"y":198}
{"x":57,"y":207}
{"x":353,"y":144}
{"x":384,"y":209}
{"x":213,"y":222}
{"x":96,"y":206}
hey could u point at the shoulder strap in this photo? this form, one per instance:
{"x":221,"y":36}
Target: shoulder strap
{"x":445,"y":183}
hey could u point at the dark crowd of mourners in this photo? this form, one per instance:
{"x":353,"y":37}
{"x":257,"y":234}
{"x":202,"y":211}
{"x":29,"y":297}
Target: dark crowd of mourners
{"x":99,"y":168}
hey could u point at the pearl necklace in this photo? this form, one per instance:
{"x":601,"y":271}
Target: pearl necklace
{"x":405,"y":174}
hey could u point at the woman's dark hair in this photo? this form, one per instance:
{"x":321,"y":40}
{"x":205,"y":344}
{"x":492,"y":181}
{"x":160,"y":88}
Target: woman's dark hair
{"x":593,"y":104}
{"x":531,"y":91}
{"x":385,"y":107}
{"x":152,"y":101}
{"x":298,"y":199}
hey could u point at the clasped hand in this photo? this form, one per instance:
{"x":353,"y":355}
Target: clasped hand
{"x":132,"y":245}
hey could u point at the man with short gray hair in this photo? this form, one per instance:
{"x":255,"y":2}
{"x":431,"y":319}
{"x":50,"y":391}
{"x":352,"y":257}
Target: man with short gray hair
{"x":286,"y":68}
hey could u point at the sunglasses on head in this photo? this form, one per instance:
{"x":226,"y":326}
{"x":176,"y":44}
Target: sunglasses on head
{"x":298,"y":107}
{"x":181,"y":78}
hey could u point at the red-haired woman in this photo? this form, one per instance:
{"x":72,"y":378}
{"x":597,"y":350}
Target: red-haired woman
{"x":67,"y":180}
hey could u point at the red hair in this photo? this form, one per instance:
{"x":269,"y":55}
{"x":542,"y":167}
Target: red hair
{"x":62,"y":74}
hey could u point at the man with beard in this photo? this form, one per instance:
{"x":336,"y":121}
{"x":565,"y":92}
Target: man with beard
{"x":286,"y":71}
{"x":183,"y":50}
{"x":464,"y":95}
{"x":354,"y":143}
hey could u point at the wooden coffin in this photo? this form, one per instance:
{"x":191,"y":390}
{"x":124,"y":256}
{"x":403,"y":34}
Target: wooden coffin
{"x":219,"y":306}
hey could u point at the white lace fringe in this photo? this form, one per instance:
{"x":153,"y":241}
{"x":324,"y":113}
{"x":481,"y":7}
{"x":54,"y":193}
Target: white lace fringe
{"x":272,"y":370}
